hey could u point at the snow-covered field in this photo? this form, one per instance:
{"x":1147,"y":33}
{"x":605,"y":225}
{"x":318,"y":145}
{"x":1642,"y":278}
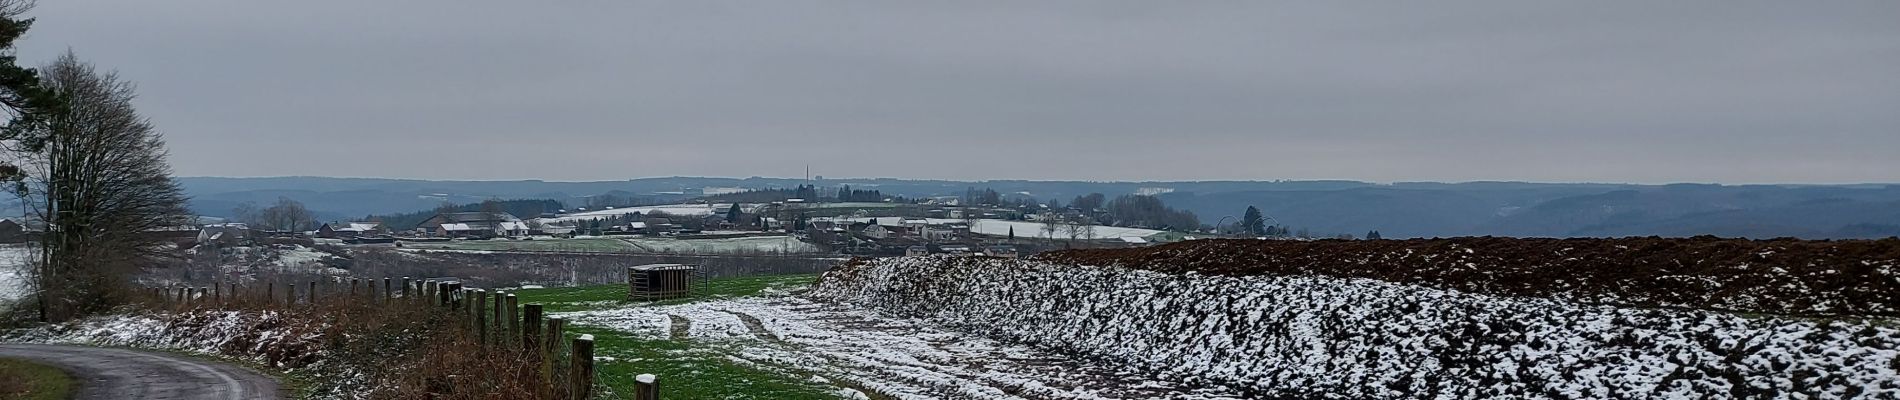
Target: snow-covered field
{"x":860,"y":351}
{"x":739,"y":245}
{"x":1023,"y":229}
{"x":670,"y":209}
{"x":1301,"y":336}
{"x":13,"y":259}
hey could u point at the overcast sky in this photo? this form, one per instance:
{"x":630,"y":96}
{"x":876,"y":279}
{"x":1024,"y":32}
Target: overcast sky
{"x":1645,"y":91}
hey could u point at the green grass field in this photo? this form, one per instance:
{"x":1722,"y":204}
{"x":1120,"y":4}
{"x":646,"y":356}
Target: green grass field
{"x":32,"y":381}
{"x":686,"y":369}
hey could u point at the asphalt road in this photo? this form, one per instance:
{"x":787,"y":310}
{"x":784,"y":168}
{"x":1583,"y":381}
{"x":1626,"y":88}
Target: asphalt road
{"x":107,"y":373}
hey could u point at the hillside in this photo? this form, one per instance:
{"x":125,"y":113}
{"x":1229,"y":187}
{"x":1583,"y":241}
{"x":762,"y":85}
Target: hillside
{"x":1400,"y":210}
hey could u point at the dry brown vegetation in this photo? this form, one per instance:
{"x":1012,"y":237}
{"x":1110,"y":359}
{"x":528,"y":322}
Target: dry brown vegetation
{"x":363,"y":348}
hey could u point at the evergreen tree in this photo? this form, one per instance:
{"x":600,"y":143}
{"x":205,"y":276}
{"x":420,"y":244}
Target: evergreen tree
{"x":1252,"y":222}
{"x":1012,"y":234}
{"x":732,"y":214}
{"x":21,"y":93}
{"x":1373,"y":235}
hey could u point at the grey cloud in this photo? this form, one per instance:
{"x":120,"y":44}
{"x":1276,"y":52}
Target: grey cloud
{"x":1600,"y":91}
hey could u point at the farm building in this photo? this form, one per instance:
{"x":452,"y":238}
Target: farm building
{"x":349,"y":229}
{"x":229,"y":234}
{"x":475,"y":225}
{"x":660,"y":281}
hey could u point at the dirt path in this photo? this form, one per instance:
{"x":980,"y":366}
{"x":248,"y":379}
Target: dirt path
{"x":107,"y":373}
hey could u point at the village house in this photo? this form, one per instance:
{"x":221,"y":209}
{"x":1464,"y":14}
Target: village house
{"x":938,"y":233}
{"x":337,"y":230}
{"x":223,"y":235}
{"x":884,"y":232}
{"x":12,"y":232}
{"x":914,"y":251}
{"x":475,"y":225}
{"x":956,"y":249}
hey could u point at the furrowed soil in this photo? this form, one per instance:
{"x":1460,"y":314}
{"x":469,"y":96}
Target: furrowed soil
{"x":1781,"y":276}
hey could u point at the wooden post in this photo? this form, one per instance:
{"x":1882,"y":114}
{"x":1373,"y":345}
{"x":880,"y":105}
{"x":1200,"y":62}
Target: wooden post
{"x":531,"y":328}
{"x":646,"y":387}
{"x":481,"y":315}
{"x":554,"y":336}
{"x":428,"y":290}
{"x":388,"y":288}
{"x":498,"y":326}
{"x":514,"y":321}
{"x":442,"y":294}
{"x":405,"y":288}
{"x":580,"y":372}
{"x":313,"y":292}
{"x":290,"y":294}
{"x":270,"y":291}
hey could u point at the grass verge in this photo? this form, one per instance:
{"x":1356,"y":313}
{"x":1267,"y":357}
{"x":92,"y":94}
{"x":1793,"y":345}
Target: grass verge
{"x":687,"y":369}
{"x":24,"y":380}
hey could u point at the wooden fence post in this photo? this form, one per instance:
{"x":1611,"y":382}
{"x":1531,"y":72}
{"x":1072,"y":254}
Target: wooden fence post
{"x":514,"y":321}
{"x":497,"y":326}
{"x":580,"y":372}
{"x":646,"y":387}
{"x":388,"y":288}
{"x":290,"y":295}
{"x":442,"y":294}
{"x":405,"y":288}
{"x":353,"y":283}
{"x":531,"y":328}
{"x":270,"y":291}
{"x":481,"y":316}
{"x":554,"y":336}
{"x":428,"y":290}
{"x":313,"y":292}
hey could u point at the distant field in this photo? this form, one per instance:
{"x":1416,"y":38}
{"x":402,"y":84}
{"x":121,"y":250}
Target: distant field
{"x":577,"y":244}
{"x":659,"y":245}
{"x":743,"y":245}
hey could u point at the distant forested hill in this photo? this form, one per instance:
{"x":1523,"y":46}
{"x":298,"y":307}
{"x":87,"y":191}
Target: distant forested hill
{"x":1421,"y":209}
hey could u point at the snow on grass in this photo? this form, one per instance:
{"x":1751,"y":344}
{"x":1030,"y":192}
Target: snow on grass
{"x":1023,"y":229}
{"x":1297,"y":336}
{"x":13,"y":275}
{"x":860,"y":351}
{"x":301,"y":257}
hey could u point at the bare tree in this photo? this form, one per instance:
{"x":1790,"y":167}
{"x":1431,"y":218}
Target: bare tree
{"x":245,"y":212}
{"x":99,"y":182}
{"x":1079,"y":228}
{"x":1051,"y":221}
{"x":287,"y":215}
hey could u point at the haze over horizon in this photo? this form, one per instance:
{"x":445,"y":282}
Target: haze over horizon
{"x":837,"y":178}
{"x":1614,"y":92}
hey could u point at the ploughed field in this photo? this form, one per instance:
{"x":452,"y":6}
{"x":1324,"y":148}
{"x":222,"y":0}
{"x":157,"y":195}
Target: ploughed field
{"x":1784,"y":276}
{"x":1448,"y":318}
